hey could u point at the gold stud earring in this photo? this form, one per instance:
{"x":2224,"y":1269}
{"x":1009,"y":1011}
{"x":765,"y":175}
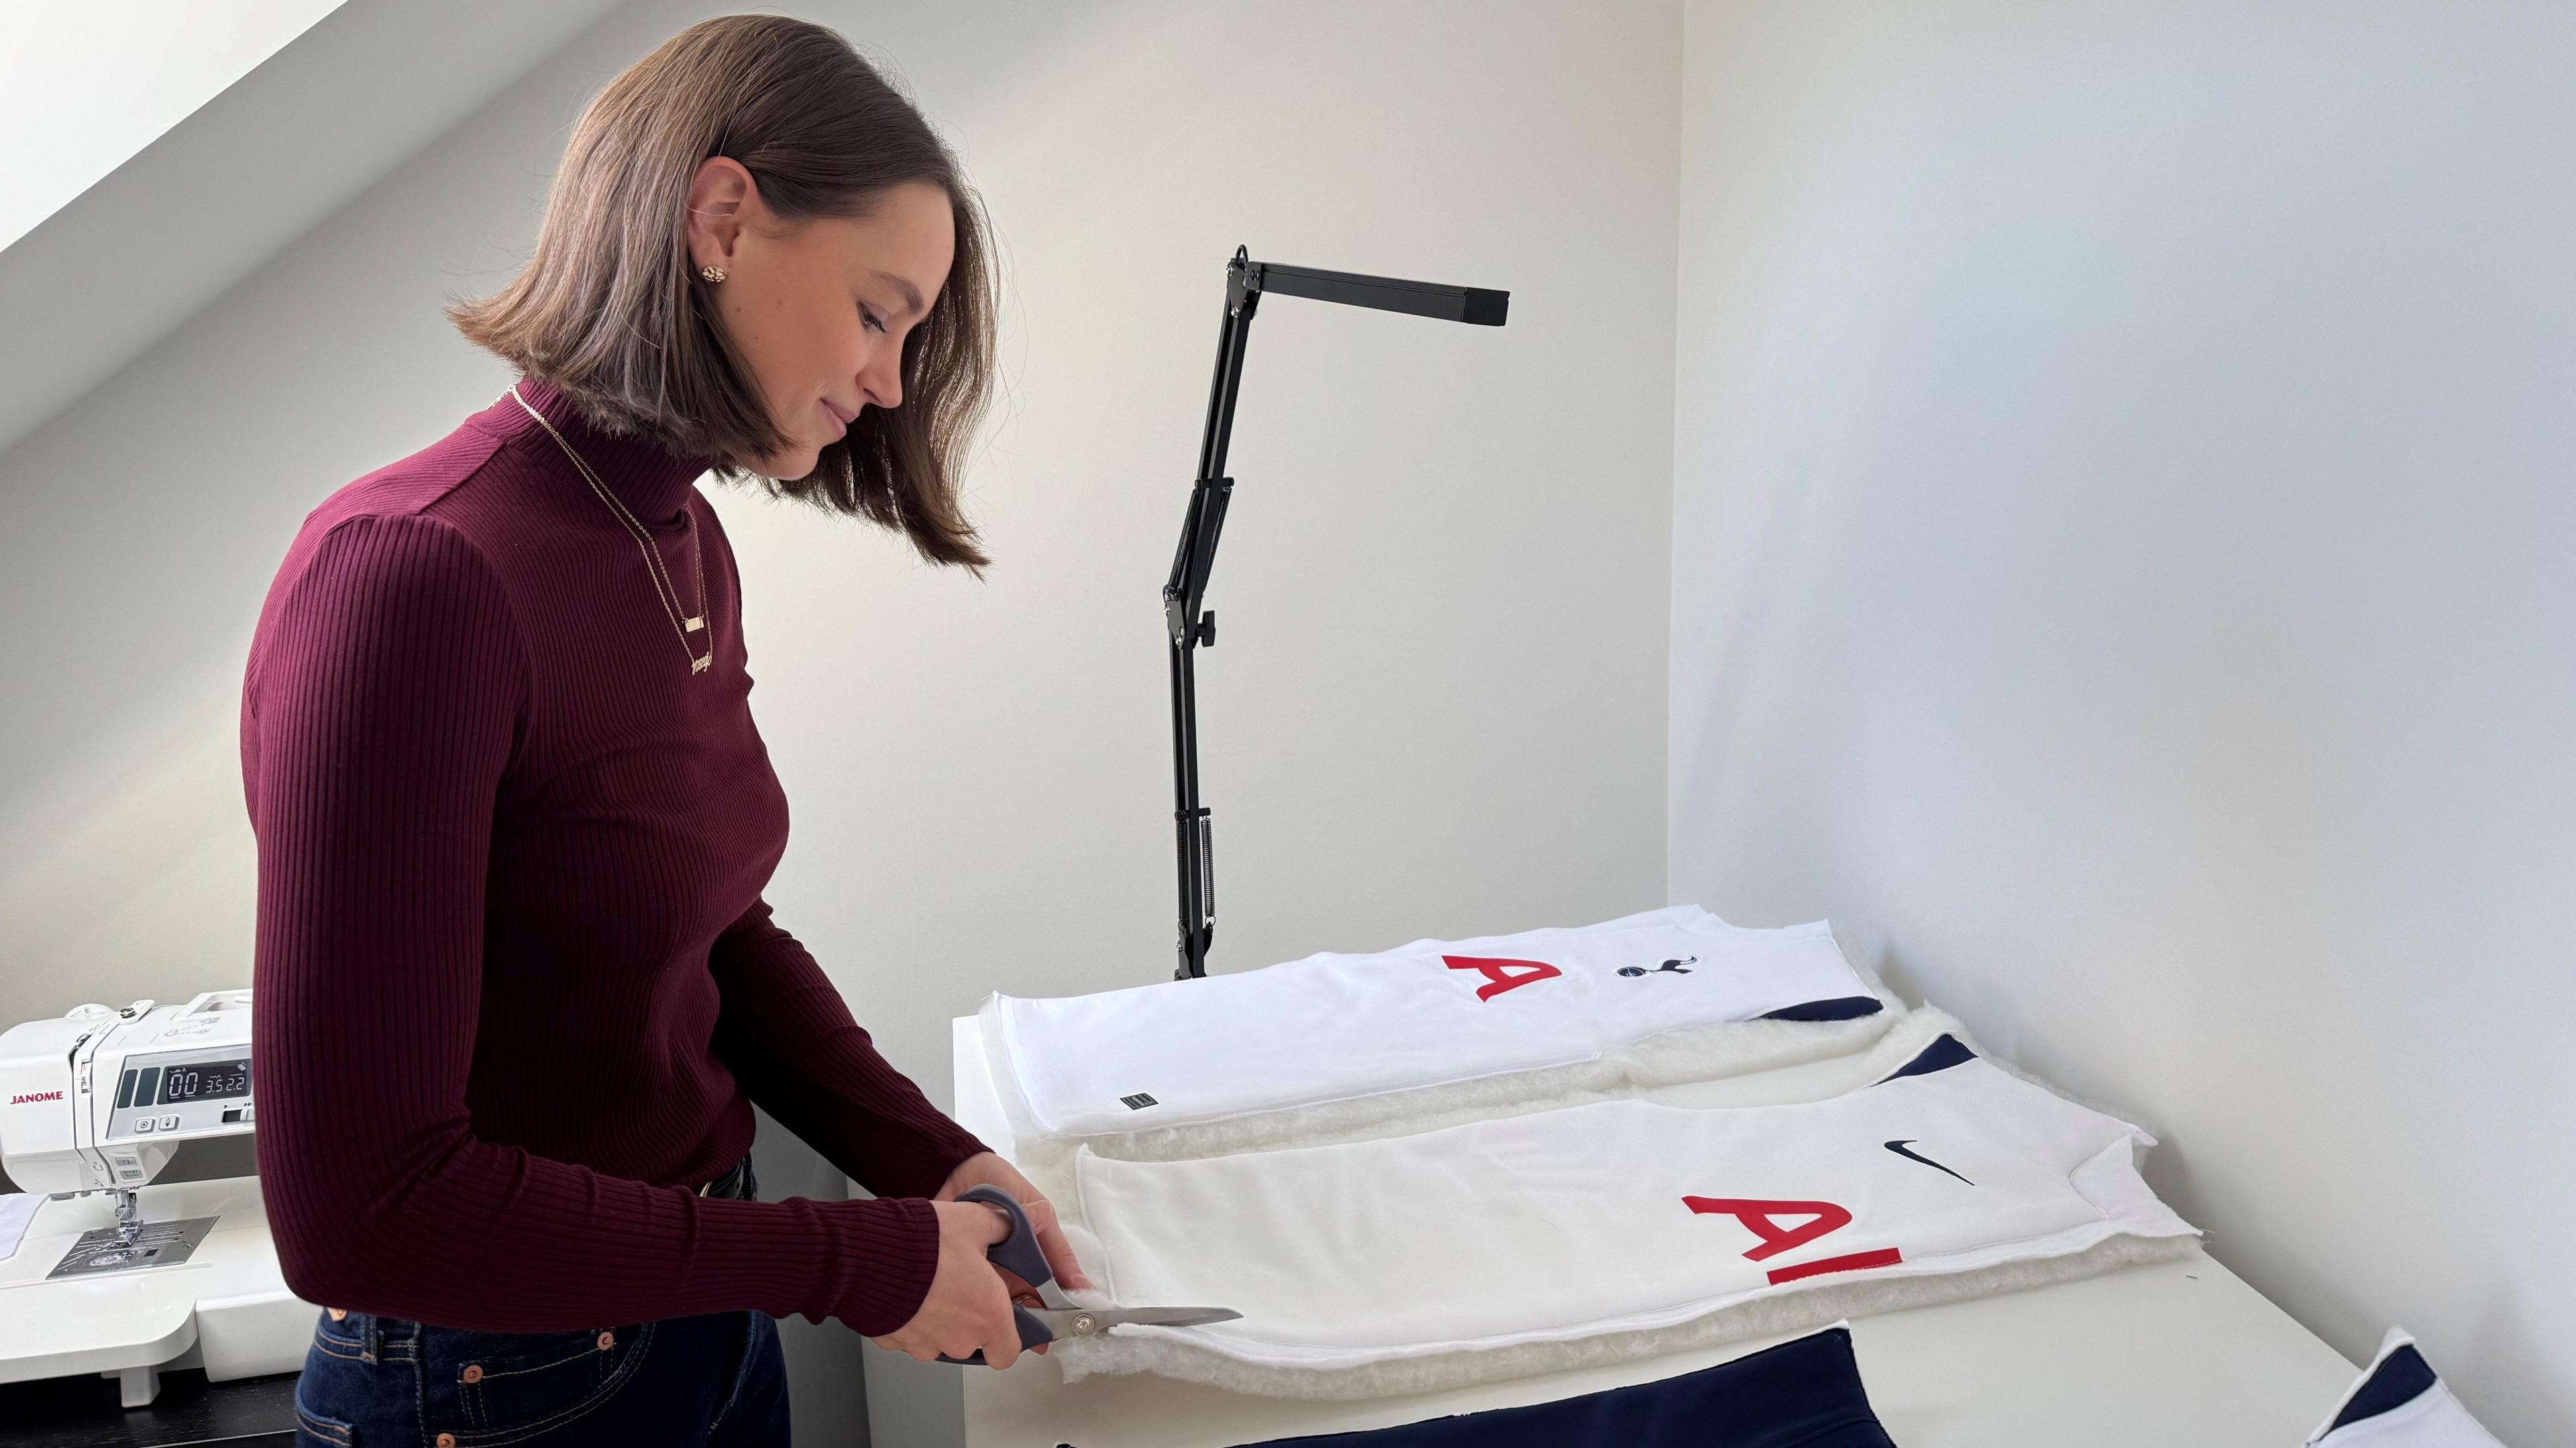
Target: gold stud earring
{"x":712,"y":273}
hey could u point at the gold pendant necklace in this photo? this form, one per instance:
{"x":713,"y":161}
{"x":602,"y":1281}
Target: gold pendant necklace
{"x":663,"y":588}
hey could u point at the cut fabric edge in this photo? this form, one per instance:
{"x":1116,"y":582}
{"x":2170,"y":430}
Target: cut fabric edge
{"x":1788,"y":1313}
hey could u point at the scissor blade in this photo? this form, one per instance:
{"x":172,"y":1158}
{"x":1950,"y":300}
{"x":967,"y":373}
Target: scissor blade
{"x":1086,"y":1321}
{"x":1174,"y":1316}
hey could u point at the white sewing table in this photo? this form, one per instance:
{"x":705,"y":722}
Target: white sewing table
{"x":2172,"y":1355}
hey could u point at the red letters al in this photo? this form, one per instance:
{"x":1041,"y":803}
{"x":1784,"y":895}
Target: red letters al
{"x":1757,"y":1216}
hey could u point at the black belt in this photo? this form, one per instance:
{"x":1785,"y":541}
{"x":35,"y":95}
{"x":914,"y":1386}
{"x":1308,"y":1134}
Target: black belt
{"x":738,"y":1184}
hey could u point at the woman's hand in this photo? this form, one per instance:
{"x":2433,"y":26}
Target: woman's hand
{"x":988,"y":1169}
{"x":968,"y":1306}
{"x":969,"y":1303}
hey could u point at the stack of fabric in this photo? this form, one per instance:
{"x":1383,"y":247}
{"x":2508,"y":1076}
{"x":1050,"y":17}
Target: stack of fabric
{"x":1456,"y":1162}
{"x":1436,"y":1029}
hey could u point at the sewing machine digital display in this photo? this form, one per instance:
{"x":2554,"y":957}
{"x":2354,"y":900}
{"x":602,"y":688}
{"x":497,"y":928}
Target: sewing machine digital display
{"x":182,"y":1094}
{"x":194,"y":1082}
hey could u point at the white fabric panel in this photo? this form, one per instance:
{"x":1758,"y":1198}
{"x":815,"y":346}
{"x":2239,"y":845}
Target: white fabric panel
{"x":1617,"y":1217}
{"x":17,"y":1209}
{"x":2431,"y":1419}
{"x":1331,"y":1026}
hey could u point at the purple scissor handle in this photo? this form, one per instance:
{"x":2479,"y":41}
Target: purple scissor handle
{"x":1019,"y":1254}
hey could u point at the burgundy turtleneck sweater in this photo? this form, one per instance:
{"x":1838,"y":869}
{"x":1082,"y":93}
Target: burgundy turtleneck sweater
{"x":516,"y":987}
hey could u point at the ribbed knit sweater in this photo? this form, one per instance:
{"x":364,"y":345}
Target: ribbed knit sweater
{"x":516,"y":987}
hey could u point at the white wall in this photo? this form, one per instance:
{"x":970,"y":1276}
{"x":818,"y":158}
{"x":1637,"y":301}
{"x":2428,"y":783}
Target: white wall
{"x":2122,"y":544}
{"x":1438,"y":706}
{"x":1438,"y":702}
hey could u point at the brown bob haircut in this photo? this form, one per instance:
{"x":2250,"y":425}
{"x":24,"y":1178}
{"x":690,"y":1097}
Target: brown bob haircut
{"x":609,"y":310}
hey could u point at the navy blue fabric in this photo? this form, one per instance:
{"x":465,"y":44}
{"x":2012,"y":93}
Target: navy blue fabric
{"x":1840,"y":1008}
{"x":716,"y":1381}
{"x":1802,"y":1394}
{"x":1941,"y":1055}
{"x":2401,"y":1378}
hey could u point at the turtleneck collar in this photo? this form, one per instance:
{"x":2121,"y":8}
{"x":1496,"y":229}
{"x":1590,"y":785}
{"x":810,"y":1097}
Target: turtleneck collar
{"x":653,"y":482}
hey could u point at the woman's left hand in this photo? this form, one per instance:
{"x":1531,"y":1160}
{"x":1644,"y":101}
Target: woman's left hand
{"x":988,"y":1169}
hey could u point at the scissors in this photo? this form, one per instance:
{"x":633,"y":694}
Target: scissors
{"x":1018,"y":1253}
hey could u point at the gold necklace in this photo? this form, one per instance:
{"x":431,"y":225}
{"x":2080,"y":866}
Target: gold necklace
{"x":663,"y":588}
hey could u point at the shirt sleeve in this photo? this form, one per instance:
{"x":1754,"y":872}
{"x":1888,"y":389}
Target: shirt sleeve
{"x":789,"y":1039}
{"x":384,"y":695}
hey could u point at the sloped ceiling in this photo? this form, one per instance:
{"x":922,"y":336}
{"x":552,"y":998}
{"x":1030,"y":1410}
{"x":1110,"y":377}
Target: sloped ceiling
{"x":90,"y":286}
{"x":84,"y":87}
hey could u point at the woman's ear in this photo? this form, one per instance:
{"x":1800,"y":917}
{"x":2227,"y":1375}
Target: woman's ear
{"x":722,"y":197}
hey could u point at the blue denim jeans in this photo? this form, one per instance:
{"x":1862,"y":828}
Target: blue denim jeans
{"x":716,"y":1381}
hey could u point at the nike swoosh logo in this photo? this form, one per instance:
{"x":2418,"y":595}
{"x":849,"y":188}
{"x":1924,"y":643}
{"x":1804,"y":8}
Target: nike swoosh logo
{"x":1898,"y":1146}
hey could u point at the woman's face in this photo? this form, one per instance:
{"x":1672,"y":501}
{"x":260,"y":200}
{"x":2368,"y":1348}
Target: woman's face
{"x":818,"y":310}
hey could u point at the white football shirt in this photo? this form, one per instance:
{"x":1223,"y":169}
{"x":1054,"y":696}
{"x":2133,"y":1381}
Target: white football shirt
{"x":1332,"y":1027}
{"x":2400,"y":1403}
{"x":1610,"y":1217}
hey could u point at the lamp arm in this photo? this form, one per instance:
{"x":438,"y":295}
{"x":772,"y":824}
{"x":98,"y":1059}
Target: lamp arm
{"x":1186,"y":624}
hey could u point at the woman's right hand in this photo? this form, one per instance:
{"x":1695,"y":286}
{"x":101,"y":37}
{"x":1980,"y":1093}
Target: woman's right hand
{"x":969,"y":1306}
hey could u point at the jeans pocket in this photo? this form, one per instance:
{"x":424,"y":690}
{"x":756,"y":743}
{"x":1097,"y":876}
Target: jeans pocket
{"x":342,"y":1339}
{"x":337,"y":1387}
{"x":755,"y":1368}
{"x":510,"y":1386}
{"x":312,"y":1430}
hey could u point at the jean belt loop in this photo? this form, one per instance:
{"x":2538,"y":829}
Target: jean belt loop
{"x":371,"y":1336}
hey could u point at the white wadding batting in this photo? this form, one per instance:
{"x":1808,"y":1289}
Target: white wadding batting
{"x":1548,"y":1237}
{"x":1706,"y":1053}
{"x":1437,"y":1372}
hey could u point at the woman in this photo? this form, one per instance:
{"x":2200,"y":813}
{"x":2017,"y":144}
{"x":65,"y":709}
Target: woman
{"x":517,"y":989}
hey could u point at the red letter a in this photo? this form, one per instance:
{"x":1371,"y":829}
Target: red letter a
{"x":1756,"y":1216}
{"x":1501,"y":975}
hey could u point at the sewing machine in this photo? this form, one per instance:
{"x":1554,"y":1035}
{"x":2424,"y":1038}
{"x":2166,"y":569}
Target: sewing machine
{"x":116,"y":1275}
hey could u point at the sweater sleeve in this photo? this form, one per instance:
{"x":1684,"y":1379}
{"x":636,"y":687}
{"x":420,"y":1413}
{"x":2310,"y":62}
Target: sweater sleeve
{"x":384,"y":695}
{"x":788,"y":1037}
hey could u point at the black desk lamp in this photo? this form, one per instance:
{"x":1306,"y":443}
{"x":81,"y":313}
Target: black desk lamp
{"x":1245,"y":281}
